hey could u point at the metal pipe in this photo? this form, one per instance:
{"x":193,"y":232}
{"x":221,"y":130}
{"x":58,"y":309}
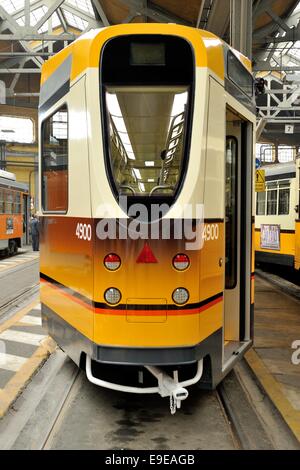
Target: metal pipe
{"x":18,"y":163}
{"x":30,"y":174}
{"x":161,"y":186}
{"x":113,"y":386}
{"x":13,"y":71}
{"x":2,"y":153}
{"x":13,"y":95}
{"x":38,"y":37}
{"x":25,"y":54}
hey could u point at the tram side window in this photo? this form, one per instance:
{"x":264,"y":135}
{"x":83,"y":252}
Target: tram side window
{"x":17,"y":203}
{"x":9,"y":202}
{"x":55,"y":161}
{"x":231,"y":213}
{"x":278,"y":199}
{"x":260,"y":203}
{"x":1,"y":201}
{"x":239,"y":75}
{"x":284,"y":199}
{"x":272,"y":201}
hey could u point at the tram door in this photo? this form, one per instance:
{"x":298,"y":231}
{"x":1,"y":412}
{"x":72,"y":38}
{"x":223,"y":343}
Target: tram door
{"x":236,"y":301}
{"x":297,"y":209}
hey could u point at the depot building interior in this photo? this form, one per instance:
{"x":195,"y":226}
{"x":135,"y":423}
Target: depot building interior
{"x":264,"y":36}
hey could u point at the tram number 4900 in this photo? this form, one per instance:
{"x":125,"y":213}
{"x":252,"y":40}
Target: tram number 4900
{"x":210,"y":232}
{"x":83,"y":231}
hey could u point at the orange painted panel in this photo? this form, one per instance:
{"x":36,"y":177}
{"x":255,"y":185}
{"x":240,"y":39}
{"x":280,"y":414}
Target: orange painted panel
{"x":77,"y":266}
{"x":17,"y":224}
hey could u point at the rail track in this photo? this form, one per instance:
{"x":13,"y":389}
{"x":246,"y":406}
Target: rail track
{"x":68,"y":412}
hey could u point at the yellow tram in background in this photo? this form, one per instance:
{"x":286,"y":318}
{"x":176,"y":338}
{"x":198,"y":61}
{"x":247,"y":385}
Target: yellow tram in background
{"x":277,"y":222}
{"x":146,"y":166}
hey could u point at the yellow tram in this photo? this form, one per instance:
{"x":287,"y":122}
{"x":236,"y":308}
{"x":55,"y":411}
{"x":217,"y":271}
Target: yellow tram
{"x":146,"y":164}
{"x":277,"y":221}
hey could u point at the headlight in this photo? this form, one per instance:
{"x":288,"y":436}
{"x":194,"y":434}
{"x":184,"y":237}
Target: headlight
{"x":180,"y":296}
{"x":112,"y":296}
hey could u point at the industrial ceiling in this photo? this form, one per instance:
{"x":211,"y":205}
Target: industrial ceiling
{"x":33,"y":30}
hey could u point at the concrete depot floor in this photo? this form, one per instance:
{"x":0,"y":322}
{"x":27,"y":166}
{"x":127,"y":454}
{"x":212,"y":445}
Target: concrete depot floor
{"x":18,"y":274}
{"x":277,"y":326}
{"x":111,"y":420}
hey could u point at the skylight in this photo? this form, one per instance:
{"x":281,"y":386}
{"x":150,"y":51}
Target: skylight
{"x":72,"y":19}
{"x":75,"y":21}
{"x":295,"y":50}
{"x":11,"y":6}
{"x":84,"y":5}
{"x":288,"y":48}
{"x":36,"y":15}
{"x":297,"y":9}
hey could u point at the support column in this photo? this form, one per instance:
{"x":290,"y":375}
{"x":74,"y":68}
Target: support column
{"x":2,"y":155}
{"x":276,"y":156}
{"x":241,"y":26}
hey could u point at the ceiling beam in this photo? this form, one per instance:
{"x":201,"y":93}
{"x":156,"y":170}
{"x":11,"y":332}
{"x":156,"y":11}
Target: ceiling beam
{"x":98,"y":7}
{"x":25,"y":36}
{"x":282,"y":92}
{"x":200,"y":13}
{"x":260,"y":7}
{"x":16,"y":28}
{"x":129,"y":17}
{"x":266,"y":67}
{"x":16,"y":78}
{"x":48,"y":14}
{"x":162,"y":16}
{"x":81,"y":14}
{"x":11,"y":71}
{"x":33,"y":6}
{"x":62,"y":19}
{"x":292,"y":35}
{"x":272,"y":27}
{"x":24,"y":54}
{"x":241,"y":26}
{"x":216,"y":22}
{"x":12,"y":94}
{"x":279,"y":21}
{"x":5,"y":16}
{"x":27,"y":13}
{"x":156,"y":14}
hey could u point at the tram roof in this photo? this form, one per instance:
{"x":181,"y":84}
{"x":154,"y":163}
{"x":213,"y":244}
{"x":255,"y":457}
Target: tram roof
{"x":8,"y":180}
{"x":84,"y":52}
{"x":280,"y":168}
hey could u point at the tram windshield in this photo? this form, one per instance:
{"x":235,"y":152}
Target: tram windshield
{"x":146,"y":128}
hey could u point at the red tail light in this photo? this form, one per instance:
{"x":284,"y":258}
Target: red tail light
{"x":146,"y":255}
{"x":112,"y":262}
{"x":181,"y":262}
